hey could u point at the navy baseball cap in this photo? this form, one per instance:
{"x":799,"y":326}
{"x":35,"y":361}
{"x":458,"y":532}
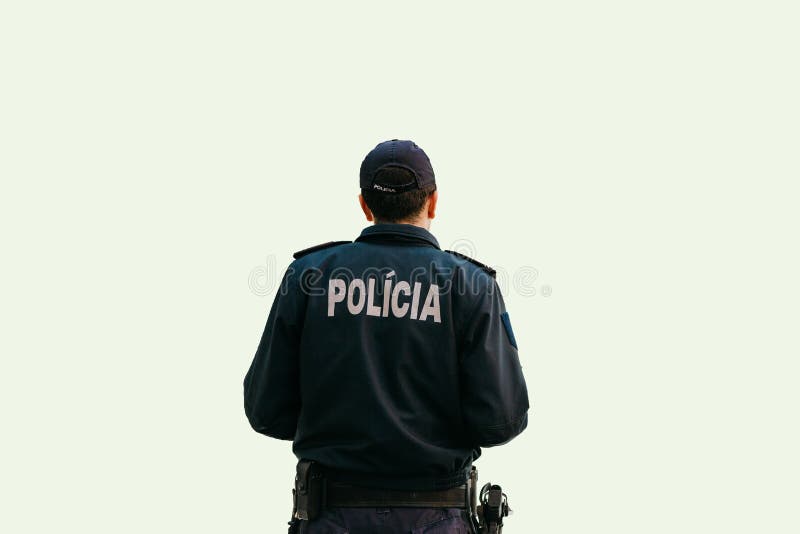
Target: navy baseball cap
{"x":397,"y":153}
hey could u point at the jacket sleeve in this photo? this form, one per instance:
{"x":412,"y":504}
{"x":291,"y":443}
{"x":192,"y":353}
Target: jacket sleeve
{"x":271,"y":386}
{"x":494,"y":396}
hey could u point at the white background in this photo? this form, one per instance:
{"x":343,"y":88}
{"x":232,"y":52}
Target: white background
{"x":641,"y":156}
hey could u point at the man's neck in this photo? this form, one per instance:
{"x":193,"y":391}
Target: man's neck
{"x":425,"y":224}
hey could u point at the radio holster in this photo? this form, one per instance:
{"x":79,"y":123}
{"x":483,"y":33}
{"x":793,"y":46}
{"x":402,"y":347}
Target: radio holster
{"x":309,"y":491}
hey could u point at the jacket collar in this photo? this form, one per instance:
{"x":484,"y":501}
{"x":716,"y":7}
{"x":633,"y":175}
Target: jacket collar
{"x":398,"y":232}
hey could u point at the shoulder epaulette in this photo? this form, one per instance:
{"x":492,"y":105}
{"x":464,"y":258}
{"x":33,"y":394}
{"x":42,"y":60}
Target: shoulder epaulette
{"x":483,"y":266}
{"x":309,"y":250}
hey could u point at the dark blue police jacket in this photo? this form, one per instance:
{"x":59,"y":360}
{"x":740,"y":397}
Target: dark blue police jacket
{"x":388,"y":361}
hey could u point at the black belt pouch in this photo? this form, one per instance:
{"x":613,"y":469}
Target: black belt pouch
{"x":309,"y":490}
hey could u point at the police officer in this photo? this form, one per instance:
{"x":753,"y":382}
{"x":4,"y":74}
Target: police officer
{"x":389,"y":363}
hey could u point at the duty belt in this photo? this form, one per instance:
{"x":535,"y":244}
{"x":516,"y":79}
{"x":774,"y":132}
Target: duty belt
{"x":347,"y":496}
{"x":313,"y":492}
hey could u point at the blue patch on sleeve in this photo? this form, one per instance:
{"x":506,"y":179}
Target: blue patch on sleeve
{"x":509,"y":331}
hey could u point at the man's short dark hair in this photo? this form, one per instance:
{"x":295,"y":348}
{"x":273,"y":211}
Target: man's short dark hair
{"x":394,"y":207}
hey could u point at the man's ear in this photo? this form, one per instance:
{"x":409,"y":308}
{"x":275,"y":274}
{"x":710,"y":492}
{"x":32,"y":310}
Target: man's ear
{"x":365,"y":208}
{"x":432,"y":204}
